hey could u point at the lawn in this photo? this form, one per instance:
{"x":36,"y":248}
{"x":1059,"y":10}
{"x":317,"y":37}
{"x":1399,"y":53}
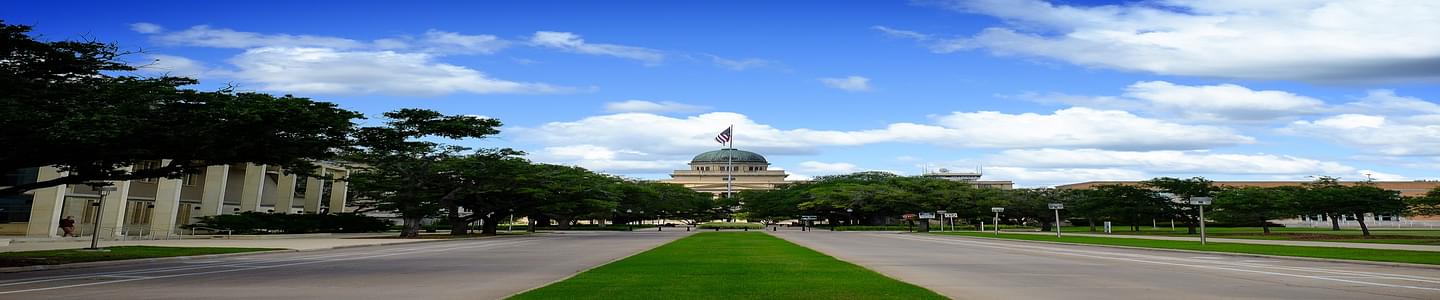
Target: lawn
{"x":1402,"y":256}
{"x":730,"y":265}
{"x":1349,"y":235}
{"x":55,"y":257}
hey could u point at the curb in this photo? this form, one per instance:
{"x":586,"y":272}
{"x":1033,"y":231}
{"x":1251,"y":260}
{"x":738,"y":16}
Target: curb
{"x":95,"y":264}
{"x":1331,"y":260}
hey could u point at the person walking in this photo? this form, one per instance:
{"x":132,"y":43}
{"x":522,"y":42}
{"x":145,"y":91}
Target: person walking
{"x":68,"y":225}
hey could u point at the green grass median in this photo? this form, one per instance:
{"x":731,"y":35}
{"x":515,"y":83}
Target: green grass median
{"x":55,"y":257}
{"x":1401,"y":256}
{"x":730,"y":265}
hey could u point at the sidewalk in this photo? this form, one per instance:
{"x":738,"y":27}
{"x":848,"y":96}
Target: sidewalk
{"x":296,"y":243}
{"x":1250,"y":241}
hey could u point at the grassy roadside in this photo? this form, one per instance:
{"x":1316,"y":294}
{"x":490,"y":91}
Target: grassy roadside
{"x":1401,"y":256}
{"x":55,"y":257}
{"x":730,"y":265}
{"x":1406,"y":236}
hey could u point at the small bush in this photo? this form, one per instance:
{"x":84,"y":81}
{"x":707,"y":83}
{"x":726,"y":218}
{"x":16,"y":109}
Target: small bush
{"x":258,"y":222}
{"x":723,"y":225}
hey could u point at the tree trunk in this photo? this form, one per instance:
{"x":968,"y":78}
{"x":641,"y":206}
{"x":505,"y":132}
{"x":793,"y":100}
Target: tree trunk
{"x":411,"y":228}
{"x":1190,"y":227}
{"x":1044,"y":225}
{"x":458,"y":225}
{"x":1265,"y":225}
{"x":1334,"y":223}
{"x":564,"y":222}
{"x":1364,"y":230}
{"x":1092,"y":224}
{"x":530,"y":225}
{"x":491,"y":223}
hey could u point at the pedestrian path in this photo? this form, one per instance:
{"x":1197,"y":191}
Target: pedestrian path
{"x":1250,"y":241}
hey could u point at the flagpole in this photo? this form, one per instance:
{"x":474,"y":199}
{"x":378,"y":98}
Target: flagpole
{"x":730,"y":166}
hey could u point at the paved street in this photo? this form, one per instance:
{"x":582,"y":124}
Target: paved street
{"x":464,"y":269}
{"x":976,"y":268}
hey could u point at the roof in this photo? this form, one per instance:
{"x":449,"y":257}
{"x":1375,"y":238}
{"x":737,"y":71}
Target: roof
{"x":729,"y":155}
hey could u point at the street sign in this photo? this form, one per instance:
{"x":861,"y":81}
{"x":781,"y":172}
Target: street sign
{"x":908,"y":216}
{"x":926,"y":215}
{"x":952,"y":215}
{"x":1057,"y":205}
{"x":997,"y":209}
{"x":940,"y":212}
{"x":1200,"y":200}
{"x":808,"y":218}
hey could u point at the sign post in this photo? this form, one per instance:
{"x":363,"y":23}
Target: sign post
{"x":805,"y":222}
{"x":1057,"y":207}
{"x":941,"y":213}
{"x":997,"y":211}
{"x":952,"y":217}
{"x":1200,"y":203}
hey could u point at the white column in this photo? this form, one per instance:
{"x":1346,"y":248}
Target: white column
{"x":285,"y":192}
{"x":167,"y":205}
{"x":314,"y":188}
{"x":213,"y":198}
{"x":253,"y":188}
{"x":112,"y":210}
{"x":337,"y":192}
{"x":47,"y":206}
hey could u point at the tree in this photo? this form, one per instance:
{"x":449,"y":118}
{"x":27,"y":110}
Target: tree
{"x":401,"y":171}
{"x":1129,"y":204}
{"x":1324,"y":196}
{"x":1366,"y":198}
{"x":1255,"y":205}
{"x":1425,"y":205}
{"x":1185,"y":189}
{"x":1033,"y":205}
{"x":63,"y":106}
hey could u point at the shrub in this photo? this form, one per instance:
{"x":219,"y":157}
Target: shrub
{"x":258,"y":222}
{"x":723,"y":225}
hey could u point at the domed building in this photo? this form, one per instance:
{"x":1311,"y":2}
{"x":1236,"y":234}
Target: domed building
{"x":708,"y":172}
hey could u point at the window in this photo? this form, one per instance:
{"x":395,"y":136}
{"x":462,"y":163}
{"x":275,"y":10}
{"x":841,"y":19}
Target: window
{"x":146,"y":165}
{"x":190,"y":179}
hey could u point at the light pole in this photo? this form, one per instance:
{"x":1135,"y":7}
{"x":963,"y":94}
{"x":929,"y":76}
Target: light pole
{"x":942,"y":220}
{"x":628,"y":227}
{"x":997,"y":211}
{"x":104,"y":189}
{"x":1057,"y":207}
{"x":511,"y":227}
{"x":851,"y":213}
{"x":1201,"y":202}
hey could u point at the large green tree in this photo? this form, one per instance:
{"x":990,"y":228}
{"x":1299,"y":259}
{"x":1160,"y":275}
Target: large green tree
{"x":1184,"y":189}
{"x":1255,"y":205}
{"x":62,"y":104}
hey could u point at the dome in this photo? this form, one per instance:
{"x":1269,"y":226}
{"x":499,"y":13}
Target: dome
{"x":729,"y":154}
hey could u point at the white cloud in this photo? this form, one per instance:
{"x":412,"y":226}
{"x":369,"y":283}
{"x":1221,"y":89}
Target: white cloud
{"x":174,"y":66}
{"x":1168,"y":162}
{"x":1386,"y":102}
{"x":330,"y":71}
{"x":1223,"y":102}
{"x":573,"y":43}
{"x":824,"y":168}
{"x":1388,"y":135}
{"x":898,"y":33}
{"x":651,"y":107}
{"x":740,"y":64}
{"x":603,"y":159}
{"x":204,"y":36}
{"x":1379,"y":176}
{"x":147,"y":28}
{"x":1076,"y":127}
{"x":453,"y":42}
{"x":1031,"y":177}
{"x":1349,"y":40}
{"x":849,"y":83}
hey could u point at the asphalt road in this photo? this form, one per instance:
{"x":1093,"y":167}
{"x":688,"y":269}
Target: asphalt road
{"x":978,"y":268}
{"x":463,"y":269}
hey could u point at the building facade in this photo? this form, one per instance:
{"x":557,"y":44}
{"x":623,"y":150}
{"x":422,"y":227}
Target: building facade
{"x":973,"y":178}
{"x":1406,"y":188}
{"x":158,"y":206}
{"x":743,"y":170}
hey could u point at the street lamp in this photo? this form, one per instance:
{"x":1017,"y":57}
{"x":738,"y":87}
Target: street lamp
{"x":104,"y":188}
{"x":851,"y":213}
{"x":1201,"y":202}
{"x":1057,"y":207}
{"x":628,"y":226}
{"x":997,"y":211}
{"x":510,"y":227}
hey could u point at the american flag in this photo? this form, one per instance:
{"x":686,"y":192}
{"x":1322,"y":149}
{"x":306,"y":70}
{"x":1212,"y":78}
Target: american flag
{"x":724,"y":136}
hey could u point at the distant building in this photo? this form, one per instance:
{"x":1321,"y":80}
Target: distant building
{"x":1406,"y":188}
{"x":744,"y":170}
{"x":973,"y":178}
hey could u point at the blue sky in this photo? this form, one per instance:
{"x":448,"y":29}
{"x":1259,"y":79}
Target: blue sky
{"x":1037,"y":92}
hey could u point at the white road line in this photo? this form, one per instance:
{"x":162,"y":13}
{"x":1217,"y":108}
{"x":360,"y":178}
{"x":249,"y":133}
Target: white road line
{"x":274,"y":266}
{"x":238,"y":262}
{"x":1053,"y":251}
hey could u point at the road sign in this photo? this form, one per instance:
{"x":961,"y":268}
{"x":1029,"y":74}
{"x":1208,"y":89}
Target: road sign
{"x":997,"y":209}
{"x":808,"y":218}
{"x":1057,"y":205}
{"x":908,"y":216}
{"x":926,"y":215}
{"x":1200,"y":200}
{"x":952,"y":215}
{"x":940,"y":212}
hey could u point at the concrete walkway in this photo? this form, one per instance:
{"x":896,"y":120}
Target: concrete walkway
{"x":1250,"y":241}
{"x":297,"y":243}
